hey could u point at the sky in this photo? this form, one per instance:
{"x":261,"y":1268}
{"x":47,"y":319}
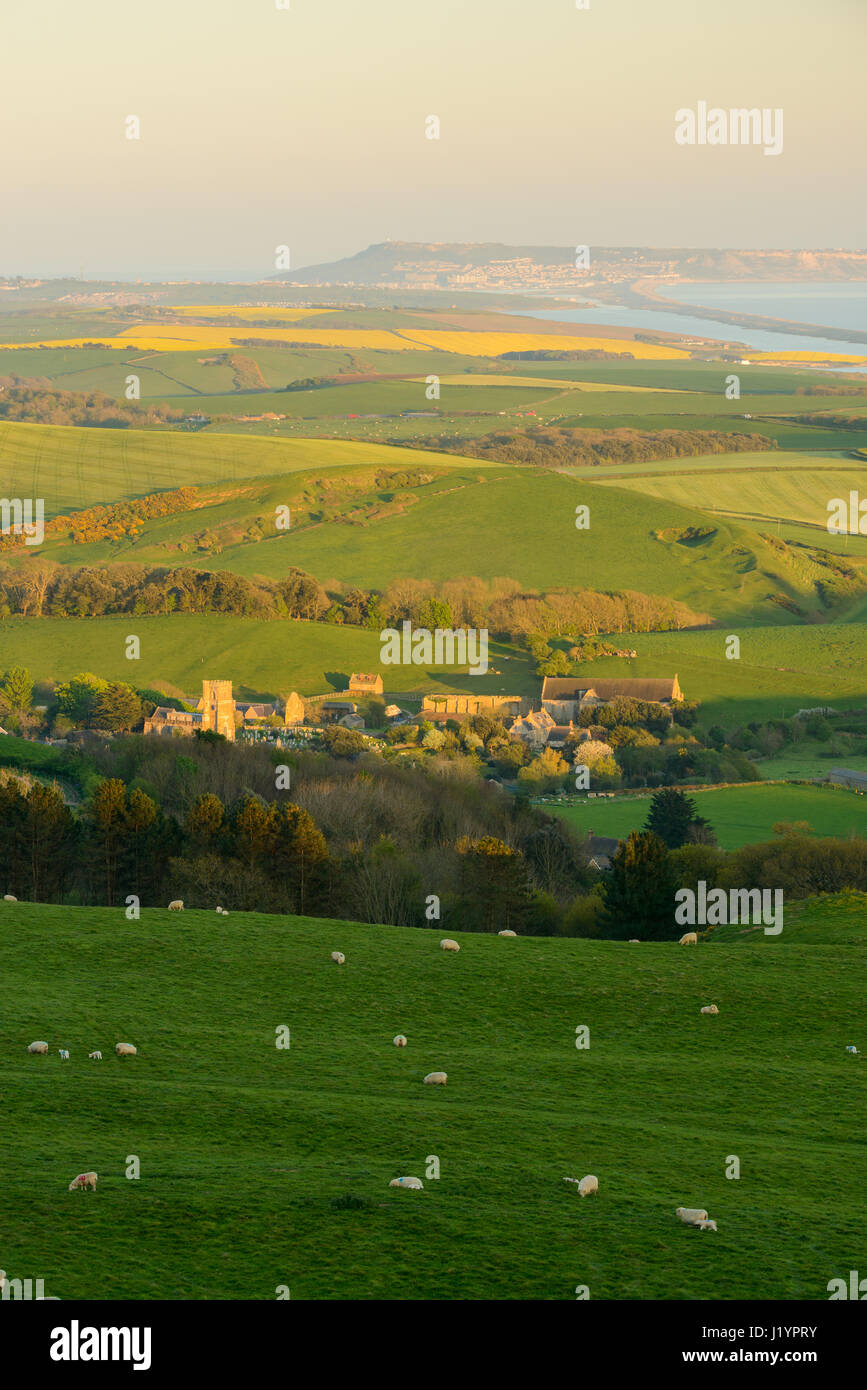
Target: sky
{"x":305,"y":127}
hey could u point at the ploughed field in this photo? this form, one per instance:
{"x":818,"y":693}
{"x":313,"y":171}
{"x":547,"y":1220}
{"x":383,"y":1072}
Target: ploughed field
{"x":263,"y":1167}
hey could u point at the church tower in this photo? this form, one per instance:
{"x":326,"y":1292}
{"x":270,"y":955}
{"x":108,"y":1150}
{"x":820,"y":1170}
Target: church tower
{"x":218,"y":708}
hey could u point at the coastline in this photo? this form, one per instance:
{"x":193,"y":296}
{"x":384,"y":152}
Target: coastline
{"x":643,"y":294}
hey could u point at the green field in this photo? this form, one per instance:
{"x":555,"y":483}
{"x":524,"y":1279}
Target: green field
{"x":262,"y":1167}
{"x":738,"y":815}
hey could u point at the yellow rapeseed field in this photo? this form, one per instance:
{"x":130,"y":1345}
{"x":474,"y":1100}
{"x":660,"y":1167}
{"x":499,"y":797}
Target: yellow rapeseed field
{"x":492,"y":344}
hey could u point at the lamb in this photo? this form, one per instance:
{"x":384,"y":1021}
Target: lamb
{"x":219,"y":909}
{"x":705,"y":1225}
{"x":38,"y":1047}
{"x":710,"y":1009}
{"x":176,"y":906}
{"x":400,"y":1040}
{"x":691,"y":1215}
{"x":689,"y":938}
{"x":125,"y":1050}
{"x":82,"y":1181}
{"x":94,"y":1056}
{"x":8,"y":898}
{"x":338,"y":956}
{"x":64,"y":1054}
{"x":415,"y":1184}
{"x":435,"y":1078}
{"x":448,"y":945}
{"x":507,"y":933}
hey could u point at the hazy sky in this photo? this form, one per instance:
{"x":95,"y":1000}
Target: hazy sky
{"x":306,"y":127}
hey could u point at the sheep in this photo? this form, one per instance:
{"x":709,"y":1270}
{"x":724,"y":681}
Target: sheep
{"x":507,"y":933}
{"x":125,"y":1050}
{"x":400,"y":1040}
{"x":41,"y":1047}
{"x":710,"y":1009}
{"x":2,"y":1279}
{"x":448,"y":945}
{"x":176,"y":906}
{"x":82,"y":1181}
{"x":94,"y":1056}
{"x":435,"y":1078}
{"x":691,"y":1215}
{"x":414,"y":1184}
{"x":634,"y":941}
{"x":64,"y":1054}
{"x":8,"y":898}
{"x":689,"y":938}
{"x":587,"y":1187}
{"x":338,"y":957}
{"x":705,"y":1225}
{"x":219,"y":909}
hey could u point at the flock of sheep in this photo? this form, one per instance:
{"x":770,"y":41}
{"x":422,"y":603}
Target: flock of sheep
{"x":40,"y":1048}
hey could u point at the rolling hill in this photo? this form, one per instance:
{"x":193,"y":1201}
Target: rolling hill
{"x":263,"y":1167}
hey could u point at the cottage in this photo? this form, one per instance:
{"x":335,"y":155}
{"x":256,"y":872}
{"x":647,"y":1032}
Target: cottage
{"x":564,"y":697}
{"x":365,"y":683}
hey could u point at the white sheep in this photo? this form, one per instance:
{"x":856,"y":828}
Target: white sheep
{"x":691,"y":1215}
{"x":507,"y":933}
{"x":8,"y":898}
{"x":219,"y":909}
{"x":435,"y":1078}
{"x":2,"y":1279}
{"x":94,"y":1056}
{"x":41,"y":1047}
{"x":82,"y":1181}
{"x":414,"y":1184}
{"x":705,"y":1225}
{"x":176,"y":906}
{"x":710,"y":1009}
{"x":587,"y":1187}
{"x":689,"y":938}
{"x":634,"y":941}
{"x":125,"y":1050}
{"x":448,"y":945}
{"x":400,"y":1040}
{"x":338,"y":957}
{"x":64,"y":1054}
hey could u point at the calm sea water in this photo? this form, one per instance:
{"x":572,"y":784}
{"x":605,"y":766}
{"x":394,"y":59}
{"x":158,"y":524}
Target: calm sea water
{"x":831,"y":305}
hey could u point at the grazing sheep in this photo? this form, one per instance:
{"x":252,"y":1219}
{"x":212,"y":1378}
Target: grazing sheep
{"x":586,"y":1186}
{"x":176,"y":906}
{"x":94,"y":1056}
{"x":507,"y":933}
{"x":8,"y":898}
{"x":634,"y":940}
{"x":82,"y":1181}
{"x":415,"y":1184}
{"x":64,"y":1054}
{"x":338,"y":956}
{"x":125,"y":1050}
{"x":219,"y":909}
{"x":448,"y":945}
{"x":435,"y":1078}
{"x":691,"y":1215}
{"x":400,"y":1040}
{"x":689,"y":938}
{"x":38,"y":1047}
{"x":705,"y":1225}
{"x":710,"y":1009}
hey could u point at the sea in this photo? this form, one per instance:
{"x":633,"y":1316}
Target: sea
{"x":831,"y":305}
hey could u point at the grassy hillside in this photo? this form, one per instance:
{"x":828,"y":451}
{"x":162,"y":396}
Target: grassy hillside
{"x":738,"y":815}
{"x":261,"y":658}
{"x":262,"y":1167}
{"x":74,"y":468}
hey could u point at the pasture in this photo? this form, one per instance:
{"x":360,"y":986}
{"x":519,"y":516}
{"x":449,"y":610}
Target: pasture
{"x":263,"y":1167}
{"x":737,"y":815}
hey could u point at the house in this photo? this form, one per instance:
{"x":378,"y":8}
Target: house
{"x":364,"y":683}
{"x":351,"y":721}
{"x":565,"y":697}
{"x":601,"y":849}
{"x":533,"y":729}
{"x":334,"y":710}
{"x":439,"y":708}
